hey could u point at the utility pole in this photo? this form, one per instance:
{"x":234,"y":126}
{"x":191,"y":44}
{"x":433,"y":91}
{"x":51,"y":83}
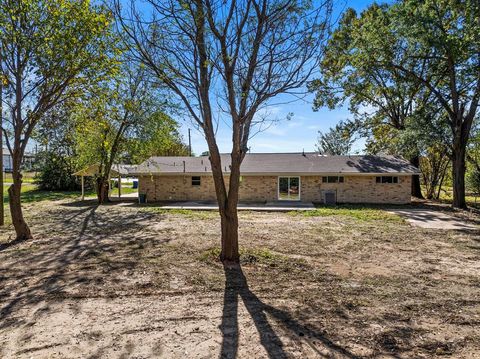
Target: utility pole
{"x":189,"y":144}
{"x":2,"y":209}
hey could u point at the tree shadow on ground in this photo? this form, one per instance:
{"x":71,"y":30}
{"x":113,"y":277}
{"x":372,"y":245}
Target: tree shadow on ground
{"x":73,"y":256}
{"x":236,"y":287}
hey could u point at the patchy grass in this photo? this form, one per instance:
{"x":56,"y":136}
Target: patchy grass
{"x":254,"y":256}
{"x":349,"y":287}
{"x":188,"y":213}
{"x":360,"y":213}
{"x":446,"y":196}
{"x":31,"y":193}
{"x":125,"y":190}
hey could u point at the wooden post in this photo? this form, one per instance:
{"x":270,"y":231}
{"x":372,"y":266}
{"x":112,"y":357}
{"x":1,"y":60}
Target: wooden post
{"x":119,"y":185}
{"x":83,"y":189}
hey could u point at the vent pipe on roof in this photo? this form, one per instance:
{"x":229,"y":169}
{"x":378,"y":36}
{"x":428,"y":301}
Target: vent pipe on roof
{"x":183,"y":166}
{"x":303,"y":152}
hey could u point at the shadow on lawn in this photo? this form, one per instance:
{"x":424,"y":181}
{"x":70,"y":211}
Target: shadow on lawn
{"x":82,"y":250}
{"x":236,"y":287}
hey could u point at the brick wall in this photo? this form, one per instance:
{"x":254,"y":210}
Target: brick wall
{"x":364,"y":189}
{"x":355,"y":189}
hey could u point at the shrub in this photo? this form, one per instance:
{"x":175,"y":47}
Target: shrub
{"x":56,"y":173}
{"x":473,"y":180}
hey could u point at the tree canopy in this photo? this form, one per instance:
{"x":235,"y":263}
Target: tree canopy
{"x":409,"y":72}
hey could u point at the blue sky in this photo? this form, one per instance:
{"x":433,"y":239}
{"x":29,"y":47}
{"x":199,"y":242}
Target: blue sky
{"x":294,"y":135}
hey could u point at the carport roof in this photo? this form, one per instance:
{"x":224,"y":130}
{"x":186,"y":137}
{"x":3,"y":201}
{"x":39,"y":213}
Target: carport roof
{"x":281,"y":163}
{"x":117,"y":169}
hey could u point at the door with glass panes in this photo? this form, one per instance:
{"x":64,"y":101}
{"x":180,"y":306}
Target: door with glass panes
{"x":289,"y":188}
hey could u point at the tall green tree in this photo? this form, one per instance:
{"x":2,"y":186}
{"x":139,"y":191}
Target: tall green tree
{"x":443,"y":35}
{"x":51,"y":51}
{"x":337,"y":140}
{"x":380,"y":99}
{"x":55,"y":137}
{"x":112,"y":112}
{"x":159,"y":136}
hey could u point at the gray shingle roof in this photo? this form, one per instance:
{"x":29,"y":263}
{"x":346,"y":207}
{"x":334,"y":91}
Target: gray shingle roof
{"x":281,"y":163}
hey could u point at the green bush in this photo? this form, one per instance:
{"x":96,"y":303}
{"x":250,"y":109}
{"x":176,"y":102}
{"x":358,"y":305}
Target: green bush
{"x":473,"y":180}
{"x":56,"y":173}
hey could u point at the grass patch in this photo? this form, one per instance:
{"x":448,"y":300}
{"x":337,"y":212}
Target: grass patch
{"x":181,"y":212}
{"x":125,"y":190}
{"x":31,"y":193}
{"x":360,"y":213}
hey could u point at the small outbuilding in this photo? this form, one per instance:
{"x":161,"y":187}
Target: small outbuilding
{"x":117,"y":171}
{"x":266,"y":177}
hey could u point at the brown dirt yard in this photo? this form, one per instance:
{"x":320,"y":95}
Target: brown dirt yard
{"x":123,"y":281}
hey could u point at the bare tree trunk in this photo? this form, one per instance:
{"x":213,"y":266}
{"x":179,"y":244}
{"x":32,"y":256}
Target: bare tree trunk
{"x":103,"y":187}
{"x":458,"y":171}
{"x":416,"y":188}
{"x":229,"y":223}
{"x":21,"y":227}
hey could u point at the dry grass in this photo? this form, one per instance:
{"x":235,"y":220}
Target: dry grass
{"x":139,"y":282}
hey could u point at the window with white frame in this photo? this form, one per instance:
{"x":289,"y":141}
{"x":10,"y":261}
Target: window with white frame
{"x":387,"y":179}
{"x":333,"y":179}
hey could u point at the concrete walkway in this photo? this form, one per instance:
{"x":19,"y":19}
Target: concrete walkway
{"x":280,"y":206}
{"x":433,"y":219}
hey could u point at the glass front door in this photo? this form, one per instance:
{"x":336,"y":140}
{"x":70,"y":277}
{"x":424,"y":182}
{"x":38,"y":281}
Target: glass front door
{"x":289,"y":188}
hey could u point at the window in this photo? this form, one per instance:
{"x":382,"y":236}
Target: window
{"x":333,"y":179}
{"x":196,"y":181}
{"x":387,"y":179}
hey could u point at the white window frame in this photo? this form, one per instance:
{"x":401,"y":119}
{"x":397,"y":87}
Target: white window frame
{"x":299,"y":188}
{"x":381,"y":180}
{"x":338,"y":179}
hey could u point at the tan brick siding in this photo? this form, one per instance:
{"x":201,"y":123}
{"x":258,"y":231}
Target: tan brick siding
{"x":355,"y":189}
{"x":258,"y":188}
{"x":364,"y":189}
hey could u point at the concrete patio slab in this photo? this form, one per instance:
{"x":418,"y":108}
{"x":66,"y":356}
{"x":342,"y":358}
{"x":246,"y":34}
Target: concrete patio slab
{"x":269,"y":206}
{"x":433,"y":219}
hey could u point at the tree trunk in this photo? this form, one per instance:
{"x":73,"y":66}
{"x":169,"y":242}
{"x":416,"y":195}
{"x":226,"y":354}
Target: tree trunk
{"x":416,"y":189}
{"x":229,"y":223}
{"x":458,"y":171}
{"x":102,"y":190}
{"x":21,"y":227}
{"x":227,"y":204}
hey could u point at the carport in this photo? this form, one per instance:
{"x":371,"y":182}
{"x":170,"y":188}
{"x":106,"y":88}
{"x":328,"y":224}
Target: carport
{"x":118,"y":171}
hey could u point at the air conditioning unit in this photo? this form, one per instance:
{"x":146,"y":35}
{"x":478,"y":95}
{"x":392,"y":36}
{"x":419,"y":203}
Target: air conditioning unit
{"x":329,"y":197}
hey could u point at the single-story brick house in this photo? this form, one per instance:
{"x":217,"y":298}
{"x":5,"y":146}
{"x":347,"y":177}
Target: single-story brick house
{"x":266,"y":177}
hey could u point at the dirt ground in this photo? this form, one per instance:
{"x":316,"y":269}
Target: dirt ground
{"x":121,"y":281}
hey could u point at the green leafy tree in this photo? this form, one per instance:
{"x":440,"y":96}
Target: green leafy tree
{"x":381,"y":100}
{"x":51,"y":50}
{"x":442,"y":45}
{"x":158,"y":137}
{"x":110,"y":114}
{"x":474,"y":180}
{"x":337,"y":141}
{"x":57,"y":161}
